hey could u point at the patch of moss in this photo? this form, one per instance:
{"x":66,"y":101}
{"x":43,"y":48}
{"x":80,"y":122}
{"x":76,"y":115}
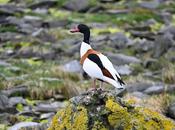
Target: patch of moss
{"x":121,"y":114}
{"x":71,"y":119}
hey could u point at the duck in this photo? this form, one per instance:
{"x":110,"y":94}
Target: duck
{"x":94,"y":63}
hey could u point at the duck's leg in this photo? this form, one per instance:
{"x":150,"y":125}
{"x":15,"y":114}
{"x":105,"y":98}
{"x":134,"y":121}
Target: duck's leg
{"x":94,"y":84}
{"x":101,"y":85}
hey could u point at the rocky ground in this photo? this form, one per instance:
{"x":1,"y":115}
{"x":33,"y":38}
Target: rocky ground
{"x":39,"y":58}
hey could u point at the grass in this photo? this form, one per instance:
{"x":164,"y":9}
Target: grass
{"x":120,"y":19}
{"x":43,"y":78}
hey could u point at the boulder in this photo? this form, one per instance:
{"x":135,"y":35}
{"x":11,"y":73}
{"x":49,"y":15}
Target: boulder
{"x":43,"y":4}
{"x":72,"y":66}
{"x":124,"y":69}
{"x":162,"y":43}
{"x":121,"y":59}
{"x":171,"y":111}
{"x":13,"y":101}
{"x":77,"y":5}
{"x":103,"y":110}
{"x":27,"y":126}
{"x":153,"y":4}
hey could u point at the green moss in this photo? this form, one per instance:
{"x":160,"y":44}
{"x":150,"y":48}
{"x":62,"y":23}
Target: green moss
{"x":119,"y":115}
{"x":4,"y":1}
{"x":70,"y":119}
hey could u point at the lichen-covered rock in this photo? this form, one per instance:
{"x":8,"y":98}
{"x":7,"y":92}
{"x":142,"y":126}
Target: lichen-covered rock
{"x":102,"y":110}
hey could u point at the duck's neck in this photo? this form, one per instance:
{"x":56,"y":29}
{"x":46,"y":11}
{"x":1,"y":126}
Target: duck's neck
{"x":84,"y":48}
{"x":86,"y":36}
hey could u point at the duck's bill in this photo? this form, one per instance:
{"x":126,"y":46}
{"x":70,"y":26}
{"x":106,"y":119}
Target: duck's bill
{"x":74,"y":30}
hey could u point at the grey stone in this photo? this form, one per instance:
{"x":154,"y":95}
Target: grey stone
{"x":121,"y":59}
{"x":49,"y":107}
{"x":4,"y":63}
{"x":143,"y":45}
{"x":72,"y":66}
{"x":119,"y":40}
{"x":26,"y":126}
{"x":22,"y":89}
{"x":47,"y":115}
{"x":150,"y":4}
{"x":155,"y":89}
{"x":10,"y":9}
{"x":77,"y":5}
{"x":140,"y":95}
{"x":124,"y":69}
{"x":171,"y":111}
{"x":15,"y":100}
{"x":5,"y":106}
{"x":162,"y":44}
{"x":169,"y":29}
{"x":43,"y":4}
{"x":138,"y":87}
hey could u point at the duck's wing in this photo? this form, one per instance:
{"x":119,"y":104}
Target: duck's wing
{"x":109,"y":66}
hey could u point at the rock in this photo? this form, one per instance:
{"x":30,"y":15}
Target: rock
{"x":5,"y":106}
{"x":106,"y":111}
{"x":20,"y":90}
{"x":119,"y":40}
{"x":4,"y":63}
{"x":143,"y":34}
{"x":152,"y":64}
{"x":59,"y":97}
{"x":72,"y":66}
{"x":162,"y":44}
{"x":77,"y":5}
{"x":116,"y":12}
{"x":143,"y":45}
{"x":155,"y":89}
{"x":150,"y":4}
{"x":124,"y":69}
{"x":47,"y":116}
{"x":43,"y":4}
{"x":138,"y":87}
{"x":139,"y":95}
{"x":13,"y":101}
{"x":10,"y":9}
{"x":169,"y":29}
{"x":4,"y":118}
{"x":121,"y":59}
{"x":26,"y":126}
{"x":171,"y":111}
{"x":49,"y":107}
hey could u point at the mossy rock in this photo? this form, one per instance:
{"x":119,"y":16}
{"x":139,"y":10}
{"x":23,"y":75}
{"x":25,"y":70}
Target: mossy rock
{"x":99,"y":110}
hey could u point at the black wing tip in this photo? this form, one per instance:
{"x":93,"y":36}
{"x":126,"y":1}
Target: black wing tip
{"x":120,"y":81}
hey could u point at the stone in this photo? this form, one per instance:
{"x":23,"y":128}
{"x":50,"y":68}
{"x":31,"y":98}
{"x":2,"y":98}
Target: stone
{"x":72,"y":66}
{"x":155,"y":89}
{"x":77,"y":5}
{"x":4,"y":63}
{"x":153,"y":4}
{"x":5,"y":106}
{"x":143,"y":45}
{"x":143,"y":34}
{"x":26,"y":126}
{"x":124,"y":69}
{"x":162,"y":43}
{"x":171,"y":111}
{"x":104,"y":110}
{"x":139,"y":95}
{"x":43,"y":4}
{"x":47,"y":116}
{"x":116,"y":12}
{"x":48,"y":107}
{"x":10,"y":9}
{"x":121,"y":59}
{"x":4,"y":118}
{"x":119,"y":40}
{"x":138,"y":87}
{"x":20,"y":90}
{"x":13,"y":101}
{"x":169,"y":29}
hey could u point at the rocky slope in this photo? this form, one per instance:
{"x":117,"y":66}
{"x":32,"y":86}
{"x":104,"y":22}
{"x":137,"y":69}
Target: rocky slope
{"x":102,"y":110}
